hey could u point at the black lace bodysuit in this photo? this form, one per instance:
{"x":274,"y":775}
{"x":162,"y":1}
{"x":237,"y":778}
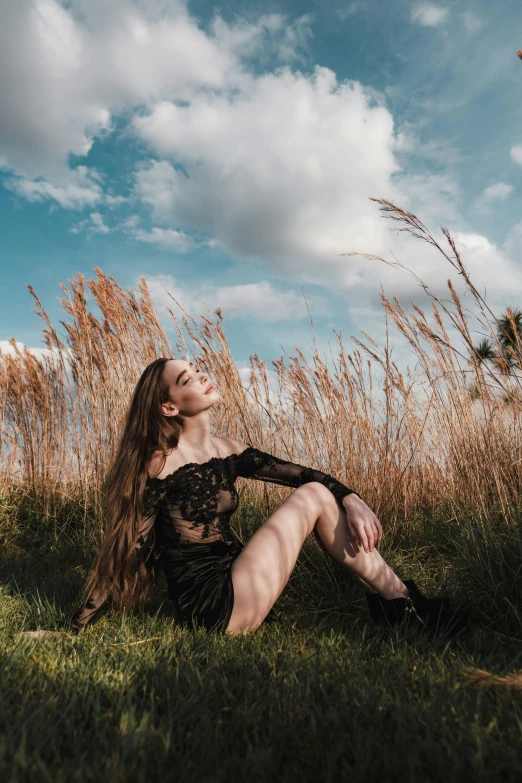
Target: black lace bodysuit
{"x":186,"y":525}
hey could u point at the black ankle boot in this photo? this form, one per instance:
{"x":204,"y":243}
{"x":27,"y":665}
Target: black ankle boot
{"x":437,"y":614}
{"x":433,"y":614}
{"x":390,"y":611}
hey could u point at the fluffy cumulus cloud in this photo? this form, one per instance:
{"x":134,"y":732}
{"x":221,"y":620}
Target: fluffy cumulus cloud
{"x":489,"y":263}
{"x":68,"y":68}
{"x":471,"y":22}
{"x":47,"y":114}
{"x":516,"y":154}
{"x":497,"y":192}
{"x":513,"y":243}
{"x":274,"y":166}
{"x":280,"y":172}
{"x":261,"y":301}
{"x":348,"y":10}
{"x":429,"y":15}
{"x":298,"y":218}
{"x":165,"y":237}
{"x":94,"y":224}
{"x":76,"y":189}
{"x":7,"y":349}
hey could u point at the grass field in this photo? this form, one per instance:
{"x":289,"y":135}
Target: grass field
{"x":325,"y":695}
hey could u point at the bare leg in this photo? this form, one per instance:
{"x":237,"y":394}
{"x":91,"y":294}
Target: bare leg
{"x":334,"y":537}
{"x":261,"y":570}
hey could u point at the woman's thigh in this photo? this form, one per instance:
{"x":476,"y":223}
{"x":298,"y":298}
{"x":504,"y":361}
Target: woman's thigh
{"x":262,"y":569}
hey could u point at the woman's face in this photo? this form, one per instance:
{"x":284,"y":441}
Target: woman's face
{"x":187,"y":389}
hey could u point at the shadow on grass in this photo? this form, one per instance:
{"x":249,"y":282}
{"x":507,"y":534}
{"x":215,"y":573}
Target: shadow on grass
{"x":297,"y":706}
{"x":321,"y":696}
{"x":50,"y":583}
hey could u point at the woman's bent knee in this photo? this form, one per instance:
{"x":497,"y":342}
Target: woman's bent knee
{"x":313,"y":497}
{"x":319,"y":494}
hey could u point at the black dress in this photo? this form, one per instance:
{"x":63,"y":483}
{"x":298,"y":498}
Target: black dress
{"x":186,"y":525}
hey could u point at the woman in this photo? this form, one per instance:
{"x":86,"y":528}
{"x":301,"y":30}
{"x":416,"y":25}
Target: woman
{"x":169,"y":497}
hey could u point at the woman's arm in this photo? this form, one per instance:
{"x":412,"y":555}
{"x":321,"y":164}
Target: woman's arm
{"x":256,"y":464}
{"x":362,"y":522}
{"x":97,"y":602}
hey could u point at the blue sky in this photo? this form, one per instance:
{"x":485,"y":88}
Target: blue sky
{"x":230,"y":152}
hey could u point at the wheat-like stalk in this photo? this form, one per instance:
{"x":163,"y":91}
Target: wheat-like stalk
{"x":405,"y":441}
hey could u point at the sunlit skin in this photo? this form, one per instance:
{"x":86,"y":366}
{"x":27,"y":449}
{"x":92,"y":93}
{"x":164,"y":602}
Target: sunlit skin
{"x":260,"y":572}
{"x":187,"y":386}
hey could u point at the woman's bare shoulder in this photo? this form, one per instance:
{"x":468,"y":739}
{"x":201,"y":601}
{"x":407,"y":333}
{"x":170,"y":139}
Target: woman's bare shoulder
{"x":233,"y":446}
{"x":159,"y":463}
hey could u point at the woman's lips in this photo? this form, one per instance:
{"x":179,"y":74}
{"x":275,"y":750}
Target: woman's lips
{"x":210,"y":388}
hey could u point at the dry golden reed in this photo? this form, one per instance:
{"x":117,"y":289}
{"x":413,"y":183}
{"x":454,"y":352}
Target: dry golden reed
{"x":448,"y":436}
{"x":481,"y":677}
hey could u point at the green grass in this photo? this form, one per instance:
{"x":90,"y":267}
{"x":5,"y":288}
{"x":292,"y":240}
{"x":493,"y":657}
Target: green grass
{"x":323,"y":696}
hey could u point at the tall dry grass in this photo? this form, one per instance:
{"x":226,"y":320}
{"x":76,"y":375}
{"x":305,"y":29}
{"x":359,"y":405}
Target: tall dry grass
{"x":447,"y":437}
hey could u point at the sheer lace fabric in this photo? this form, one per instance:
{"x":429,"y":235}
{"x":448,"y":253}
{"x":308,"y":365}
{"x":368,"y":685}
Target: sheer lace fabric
{"x":194,"y":505}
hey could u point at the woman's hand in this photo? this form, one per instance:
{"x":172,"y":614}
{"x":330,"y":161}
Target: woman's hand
{"x":362,"y":522}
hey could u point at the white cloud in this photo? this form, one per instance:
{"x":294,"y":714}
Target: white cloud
{"x":114,"y":201}
{"x":261,"y":301}
{"x":99,"y":225}
{"x":489,"y":265}
{"x":292,"y":191}
{"x":160,"y":286}
{"x":497,"y":192}
{"x":244,"y":371}
{"x":435,"y":197}
{"x":516,"y":154}
{"x":428,"y":15}
{"x":275,"y":392}
{"x":513,"y":243}
{"x":46,"y":111}
{"x":8,"y":350}
{"x":280,"y":172}
{"x":166,"y":238}
{"x":264,"y":302}
{"x":471,"y":22}
{"x":93,"y":224}
{"x":348,"y":10}
{"x":76,"y":189}
{"x":130,"y":222}
{"x":67,"y":68}
{"x":268,"y":37}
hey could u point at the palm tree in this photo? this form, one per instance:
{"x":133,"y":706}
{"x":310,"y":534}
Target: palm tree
{"x":484,"y":351}
{"x":509,"y":338}
{"x":509,"y":330}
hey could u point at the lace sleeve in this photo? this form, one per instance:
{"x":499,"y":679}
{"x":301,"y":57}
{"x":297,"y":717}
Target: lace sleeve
{"x":252,"y":463}
{"x":98,"y":602}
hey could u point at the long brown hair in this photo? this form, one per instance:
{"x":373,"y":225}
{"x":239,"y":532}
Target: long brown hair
{"x":145,"y":431}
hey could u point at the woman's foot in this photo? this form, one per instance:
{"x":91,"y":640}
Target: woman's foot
{"x":434,"y":614}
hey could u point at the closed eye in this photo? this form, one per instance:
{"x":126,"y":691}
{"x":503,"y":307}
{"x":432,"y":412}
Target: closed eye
{"x":185,"y":383}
